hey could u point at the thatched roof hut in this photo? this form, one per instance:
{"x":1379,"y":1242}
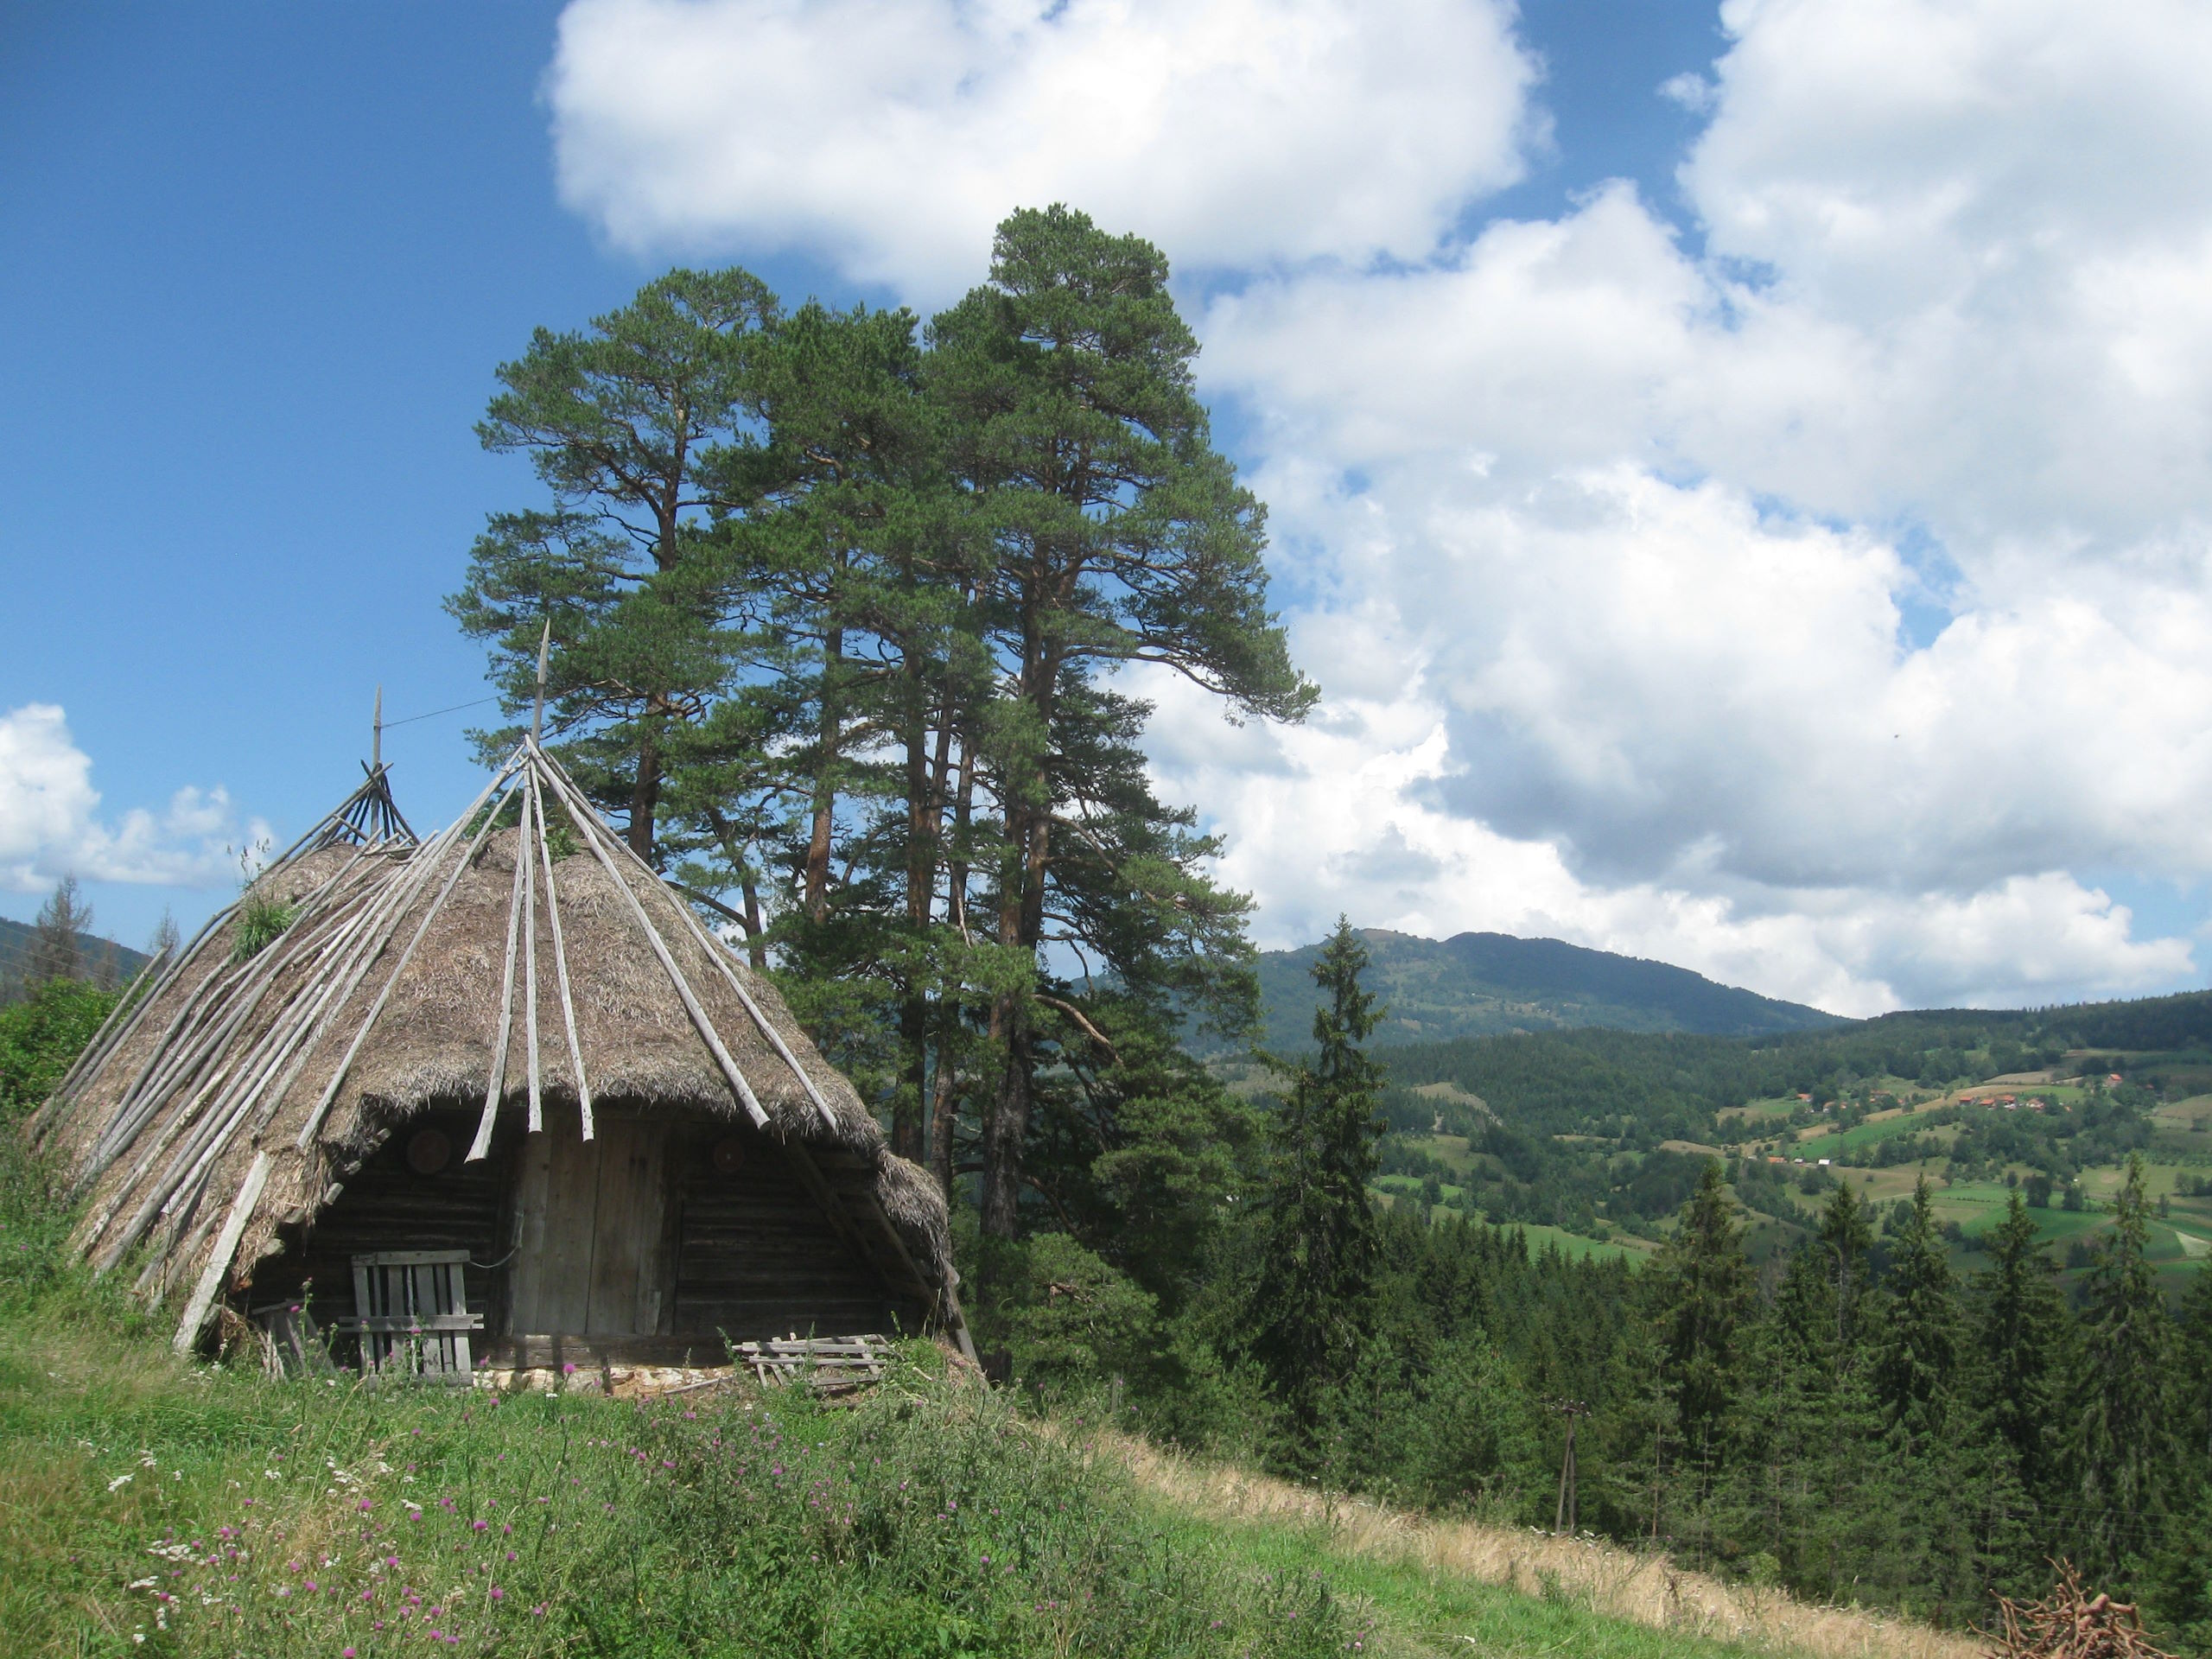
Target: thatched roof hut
{"x":514,"y":1049}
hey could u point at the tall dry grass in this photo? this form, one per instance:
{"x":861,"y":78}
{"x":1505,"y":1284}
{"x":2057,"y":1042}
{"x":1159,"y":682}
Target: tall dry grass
{"x":1643,"y":1589}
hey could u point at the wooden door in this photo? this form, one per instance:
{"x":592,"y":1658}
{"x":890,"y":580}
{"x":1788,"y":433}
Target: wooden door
{"x":591,"y":1254}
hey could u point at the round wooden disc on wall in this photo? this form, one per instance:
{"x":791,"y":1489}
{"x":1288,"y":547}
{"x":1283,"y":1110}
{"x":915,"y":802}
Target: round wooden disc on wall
{"x":429,"y":1151}
{"x":730,"y":1155}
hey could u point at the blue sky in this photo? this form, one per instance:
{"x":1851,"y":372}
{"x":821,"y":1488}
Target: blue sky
{"x":261,"y":262}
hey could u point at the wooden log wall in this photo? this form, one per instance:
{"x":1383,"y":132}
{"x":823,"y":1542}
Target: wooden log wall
{"x":753,"y":1257}
{"x":758,"y":1258}
{"x":385,"y":1205}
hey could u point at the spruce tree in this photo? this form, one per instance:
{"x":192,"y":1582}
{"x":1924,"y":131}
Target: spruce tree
{"x":1917,"y":1366}
{"x":2020,"y":1333}
{"x":1309,"y":1310}
{"x":2123,"y":1443}
{"x":1701,"y":1288}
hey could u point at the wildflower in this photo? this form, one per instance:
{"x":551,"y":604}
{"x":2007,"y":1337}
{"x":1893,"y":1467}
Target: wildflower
{"x":498,"y":1594}
{"x":119,"y":1483}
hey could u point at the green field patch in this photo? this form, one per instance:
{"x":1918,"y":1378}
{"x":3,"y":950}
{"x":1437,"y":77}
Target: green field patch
{"x":1780,"y":1106}
{"x":1977,"y":1206}
{"x":1880,"y":1126}
{"x":1575,"y":1247}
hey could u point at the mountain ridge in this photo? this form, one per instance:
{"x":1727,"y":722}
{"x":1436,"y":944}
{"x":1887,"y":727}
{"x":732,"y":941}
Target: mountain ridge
{"x":97,"y":954}
{"x":1492,"y":984}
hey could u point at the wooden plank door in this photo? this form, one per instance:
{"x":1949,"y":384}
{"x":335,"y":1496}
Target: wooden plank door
{"x":590,"y":1256}
{"x":628,"y":1274}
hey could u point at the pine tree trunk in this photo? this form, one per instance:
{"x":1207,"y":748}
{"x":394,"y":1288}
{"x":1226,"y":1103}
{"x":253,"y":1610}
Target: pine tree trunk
{"x":825,"y":787}
{"x":756,"y":937}
{"x":1007,"y":1126}
{"x":644,"y":790}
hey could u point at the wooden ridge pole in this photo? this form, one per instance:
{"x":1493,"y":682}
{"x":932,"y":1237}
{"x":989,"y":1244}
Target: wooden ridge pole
{"x":719,"y":957}
{"x":261,"y":973}
{"x":154,"y":1087}
{"x":260,"y":1063}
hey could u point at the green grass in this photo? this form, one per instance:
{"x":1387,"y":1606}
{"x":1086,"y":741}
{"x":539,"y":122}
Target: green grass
{"x":1578,"y":1248}
{"x":220,"y":1513}
{"x":1833,"y":1144}
{"x":1780,"y":1106}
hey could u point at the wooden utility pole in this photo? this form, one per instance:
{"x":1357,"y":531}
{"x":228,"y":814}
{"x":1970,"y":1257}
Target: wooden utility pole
{"x":1574,"y":1411}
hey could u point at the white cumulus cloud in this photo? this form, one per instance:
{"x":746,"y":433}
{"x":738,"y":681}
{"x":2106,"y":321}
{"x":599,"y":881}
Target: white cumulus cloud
{"x":50,"y":827}
{"x":890,"y":136}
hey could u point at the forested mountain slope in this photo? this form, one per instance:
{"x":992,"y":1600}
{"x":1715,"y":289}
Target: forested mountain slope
{"x":104,"y":959}
{"x":1487,"y":984}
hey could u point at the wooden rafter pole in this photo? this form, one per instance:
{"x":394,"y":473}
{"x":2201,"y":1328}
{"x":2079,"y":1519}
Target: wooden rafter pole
{"x":587,"y":823}
{"x":561,"y":959}
{"x":218,"y":1259}
{"x":495,"y":1079}
{"x":314,"y":1123}
{"x":526,"y":862}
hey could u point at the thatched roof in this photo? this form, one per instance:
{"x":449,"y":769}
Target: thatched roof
{"x":503,"y":962}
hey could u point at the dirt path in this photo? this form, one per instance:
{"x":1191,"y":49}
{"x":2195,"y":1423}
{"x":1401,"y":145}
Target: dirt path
{"x":1642,"y":1589}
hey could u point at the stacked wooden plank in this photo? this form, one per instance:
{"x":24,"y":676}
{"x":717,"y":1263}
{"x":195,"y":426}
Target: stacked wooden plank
{"x":826,"y":1364}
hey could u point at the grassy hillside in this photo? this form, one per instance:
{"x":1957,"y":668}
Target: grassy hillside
{"x":157,"y":1508}
{"x":1484,"y":984}
{"x":1599,"y":1133}
{"x":160,"y":1507}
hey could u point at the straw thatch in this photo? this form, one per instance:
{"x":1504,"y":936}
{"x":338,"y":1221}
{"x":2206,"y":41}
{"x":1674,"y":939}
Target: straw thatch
{"x":501,"y":963}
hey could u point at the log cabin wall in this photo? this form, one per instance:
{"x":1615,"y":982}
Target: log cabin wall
{"x":387,"y":1205}
{"x":743,"y":1247}
{"x":759,"y":1259}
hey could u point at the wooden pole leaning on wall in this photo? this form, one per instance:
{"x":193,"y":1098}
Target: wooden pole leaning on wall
{"x":218,"y":1259}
